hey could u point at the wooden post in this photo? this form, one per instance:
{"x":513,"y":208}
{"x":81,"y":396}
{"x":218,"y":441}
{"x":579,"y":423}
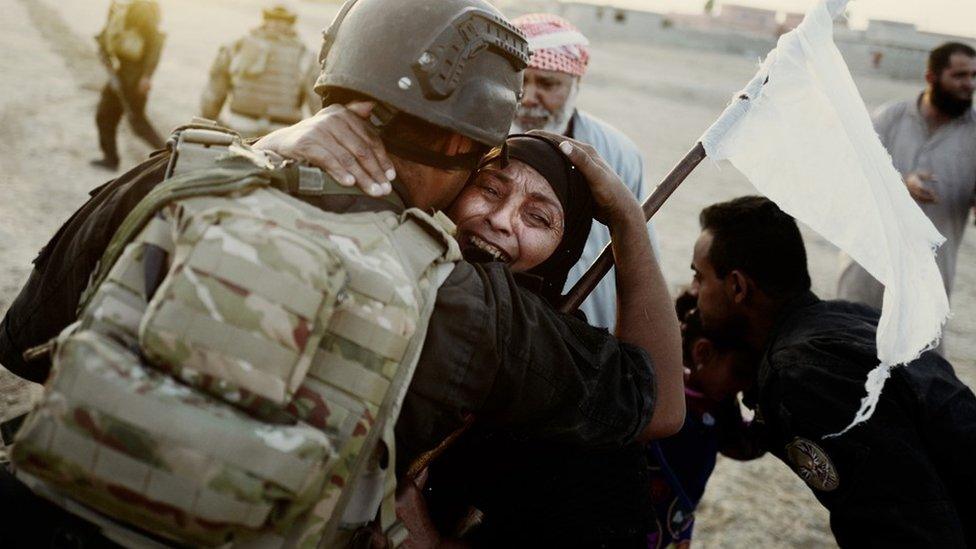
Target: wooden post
{"x":578,"y":294}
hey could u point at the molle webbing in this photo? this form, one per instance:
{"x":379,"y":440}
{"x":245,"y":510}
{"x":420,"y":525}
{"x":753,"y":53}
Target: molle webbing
{"x":253,"y":390}
{"x":268,"y":77}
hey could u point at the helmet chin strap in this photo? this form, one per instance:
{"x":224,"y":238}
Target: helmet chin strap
{"x":380,"y":118}
{"x":413,"y":153}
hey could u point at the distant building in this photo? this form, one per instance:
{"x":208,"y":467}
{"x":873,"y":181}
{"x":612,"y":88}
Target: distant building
{"x":790,"y":22}
{"x":747,"y":19}
{"x":891,"y":48}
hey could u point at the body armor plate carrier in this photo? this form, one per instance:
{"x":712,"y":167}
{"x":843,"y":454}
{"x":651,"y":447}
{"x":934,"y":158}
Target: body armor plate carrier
{"x":240,"y":358}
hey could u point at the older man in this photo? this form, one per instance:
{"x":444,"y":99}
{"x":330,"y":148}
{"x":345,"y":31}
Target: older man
{"x":560,"y":56}
{"x":931,"y":139}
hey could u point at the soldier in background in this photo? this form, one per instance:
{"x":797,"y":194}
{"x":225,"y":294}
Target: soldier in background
{"x":129,"y":47}
{"x":264,"y":78}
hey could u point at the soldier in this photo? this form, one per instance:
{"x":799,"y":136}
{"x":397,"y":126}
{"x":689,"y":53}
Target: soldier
{"x":129,"y":47}
{"x":902,"y":478}
{"x":492,"y":347}
{"x":264,"y":79}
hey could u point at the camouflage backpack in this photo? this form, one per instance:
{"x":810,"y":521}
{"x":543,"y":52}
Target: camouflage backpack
{"x":239,"y":360}
{"x":119,"y":39}
{"x":269,"y":72}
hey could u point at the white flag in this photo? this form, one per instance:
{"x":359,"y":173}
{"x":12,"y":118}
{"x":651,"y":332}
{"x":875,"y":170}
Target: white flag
{"x":801,"y":133}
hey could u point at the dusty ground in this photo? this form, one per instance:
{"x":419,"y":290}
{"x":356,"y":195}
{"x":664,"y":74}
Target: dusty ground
{"x":663,"y":99}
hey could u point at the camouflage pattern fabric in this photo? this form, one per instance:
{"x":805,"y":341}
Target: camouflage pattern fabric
{"x":269,"y":72}
{"x":128,"y":440}
{"x":252,"y":394}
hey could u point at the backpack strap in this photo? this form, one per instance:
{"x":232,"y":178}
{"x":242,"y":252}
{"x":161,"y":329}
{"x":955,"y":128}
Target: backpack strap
{"x":426,"y":245}
{"x":207,"y":159}
{"x":202,"y":144}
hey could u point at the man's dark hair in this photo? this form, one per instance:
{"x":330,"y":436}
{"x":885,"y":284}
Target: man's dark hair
{"x":940,"y":56}
{"x":751,"y":234}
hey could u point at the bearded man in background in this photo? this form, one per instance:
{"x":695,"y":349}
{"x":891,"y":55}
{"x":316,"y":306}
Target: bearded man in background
{"x":931,"y":139}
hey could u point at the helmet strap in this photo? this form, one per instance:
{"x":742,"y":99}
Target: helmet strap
{"x":382,"y":116}
{"x":409,"y":151}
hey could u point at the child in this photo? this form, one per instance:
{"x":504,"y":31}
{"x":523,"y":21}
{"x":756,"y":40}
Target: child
{"x":681,"y":464}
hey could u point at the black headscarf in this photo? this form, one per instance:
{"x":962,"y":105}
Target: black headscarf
{"x":543,"y":155}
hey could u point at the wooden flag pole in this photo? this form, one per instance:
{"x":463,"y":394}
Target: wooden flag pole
{"x":602,"y":265}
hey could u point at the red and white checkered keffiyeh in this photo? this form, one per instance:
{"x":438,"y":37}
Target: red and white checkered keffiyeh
{"x":555,"y":43}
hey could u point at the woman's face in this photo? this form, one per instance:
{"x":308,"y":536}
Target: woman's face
{"x":511,"y":214}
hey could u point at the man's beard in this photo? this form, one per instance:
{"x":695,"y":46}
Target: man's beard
{"x":544,"y":119}
{"x":949,"y":104}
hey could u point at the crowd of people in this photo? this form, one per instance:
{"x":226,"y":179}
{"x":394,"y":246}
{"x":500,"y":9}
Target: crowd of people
{"x":486,"y":414}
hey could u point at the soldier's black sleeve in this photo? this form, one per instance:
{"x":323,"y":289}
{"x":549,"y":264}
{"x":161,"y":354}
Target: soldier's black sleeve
{"x":889,"y":488}
{"x":498,"y":351}
{"x":47,"y":302}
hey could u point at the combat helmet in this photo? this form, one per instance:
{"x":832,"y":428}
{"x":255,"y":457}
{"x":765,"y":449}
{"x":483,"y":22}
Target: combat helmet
{"x":456,"y":64}
{"x":279,"y":12}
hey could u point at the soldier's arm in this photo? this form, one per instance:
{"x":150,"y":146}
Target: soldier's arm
{"x":153,"y":52}
{"x":218,"y":85}
{"x":47,"y":302}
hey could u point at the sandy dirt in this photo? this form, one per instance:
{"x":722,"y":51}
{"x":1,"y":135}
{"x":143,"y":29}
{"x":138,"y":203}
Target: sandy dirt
{"x":663,"y":99}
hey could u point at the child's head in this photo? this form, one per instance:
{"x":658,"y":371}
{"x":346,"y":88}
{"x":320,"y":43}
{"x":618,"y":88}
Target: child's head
{"x":719,"y":368}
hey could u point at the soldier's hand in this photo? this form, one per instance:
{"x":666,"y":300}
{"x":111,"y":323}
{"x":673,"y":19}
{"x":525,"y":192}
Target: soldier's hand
{"x":339,"y":140}
{"x":918,"y":188}
{"x":611,"y":196}
{"x":144,"y":85}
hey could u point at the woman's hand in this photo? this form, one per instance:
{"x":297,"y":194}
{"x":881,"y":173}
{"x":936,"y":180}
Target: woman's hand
{"x":612,"y":198}
{"x":645,"y":312}
{"x":339,"y":140}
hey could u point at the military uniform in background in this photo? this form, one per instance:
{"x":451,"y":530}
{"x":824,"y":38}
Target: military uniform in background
{"x":129,"y":46}
{"x":264,"y":80}
{"x":903,"y":478}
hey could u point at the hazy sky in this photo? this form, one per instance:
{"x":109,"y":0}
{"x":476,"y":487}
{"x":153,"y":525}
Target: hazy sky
{"x":948,"y":16}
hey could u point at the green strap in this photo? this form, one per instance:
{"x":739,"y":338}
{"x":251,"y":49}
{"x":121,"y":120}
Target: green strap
{"x":417,"y":247}
{"x":216,"y":181}
{"x":118,"y":306}
{"x":271,"y":364}
{"x":190,"y":428}
{"x":277,"y":287}
{"x":158,"y":233}
{"x":349,"y":376}
{"x":129,"y":273}
{"x":392,"y":402}
{"x":297,"y":179}
{"x":365,"y":333}
{"x":116,"y":468}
